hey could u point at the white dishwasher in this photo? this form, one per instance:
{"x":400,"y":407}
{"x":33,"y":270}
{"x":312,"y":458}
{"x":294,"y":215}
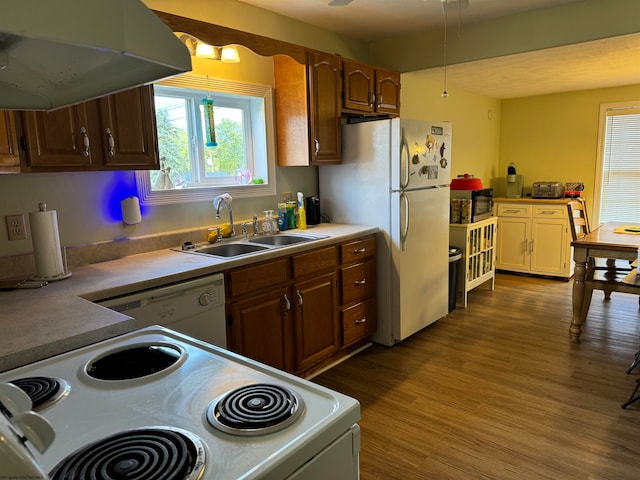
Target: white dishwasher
{"x":193,"y":307}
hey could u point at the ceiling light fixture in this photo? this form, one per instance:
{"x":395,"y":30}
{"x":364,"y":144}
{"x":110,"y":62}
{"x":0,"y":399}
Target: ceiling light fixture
{"x":197,"y":48}
{"x":229,"y":54}
{"x":339,"y":3}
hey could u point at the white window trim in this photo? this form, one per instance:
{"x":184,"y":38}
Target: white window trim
{"x":207,"y":193}
{"x":602,"y":128}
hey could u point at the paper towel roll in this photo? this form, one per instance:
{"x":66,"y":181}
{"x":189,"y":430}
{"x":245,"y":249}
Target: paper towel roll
{"x":131,"y":211}
{"x":46,"y":243}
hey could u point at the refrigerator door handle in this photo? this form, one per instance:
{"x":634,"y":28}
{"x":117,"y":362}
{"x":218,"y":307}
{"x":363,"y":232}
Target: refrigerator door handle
{"x":404,"y":228}
{"x":404,"y":150}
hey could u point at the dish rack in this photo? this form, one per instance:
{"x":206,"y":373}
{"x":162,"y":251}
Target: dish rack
{"x":478,"y":264}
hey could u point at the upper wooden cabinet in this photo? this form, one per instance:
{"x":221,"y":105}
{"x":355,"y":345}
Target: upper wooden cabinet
{"x":308,"y":110}
{"x":116,"y":132}
{"x":369,"y":89}
{"x":9,"y":159}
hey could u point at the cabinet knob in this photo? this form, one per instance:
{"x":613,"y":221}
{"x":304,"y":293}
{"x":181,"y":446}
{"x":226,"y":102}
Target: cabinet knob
{"x":317,"y":143}
{"x":360,"y":282}
{"x":361,"y":321}
{"x":360,"y":250}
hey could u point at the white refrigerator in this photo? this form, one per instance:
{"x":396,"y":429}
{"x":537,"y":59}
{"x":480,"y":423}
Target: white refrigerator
{"x":395,"y":175}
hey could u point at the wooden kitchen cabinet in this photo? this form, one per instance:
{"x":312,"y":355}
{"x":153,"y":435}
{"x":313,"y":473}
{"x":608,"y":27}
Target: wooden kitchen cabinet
{"x":116,"y":132}
{"x":315,"y":325}
{"x":534,"y":238}
{"x":308,"y":110}
{"x":358,"y":308}
{"x":369,"y":89}
{"x":261,"y":328}
{"x":300,"y":312}
{"x":9,"y":158}
{"x":283,"y":312}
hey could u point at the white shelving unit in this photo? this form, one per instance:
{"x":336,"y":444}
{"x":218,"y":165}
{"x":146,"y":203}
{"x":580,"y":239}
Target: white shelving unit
{"x":478,"y":264}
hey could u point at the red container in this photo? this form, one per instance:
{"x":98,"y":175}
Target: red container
{"x":466,"y":182}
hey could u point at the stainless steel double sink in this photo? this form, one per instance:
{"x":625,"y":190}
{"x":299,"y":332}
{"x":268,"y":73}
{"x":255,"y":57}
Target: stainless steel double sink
{"x":250,"y":245}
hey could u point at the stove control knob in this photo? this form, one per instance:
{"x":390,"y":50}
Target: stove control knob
{"x":205,"y":299}
{"x":14,"y":398}
{"x":35,"y":428}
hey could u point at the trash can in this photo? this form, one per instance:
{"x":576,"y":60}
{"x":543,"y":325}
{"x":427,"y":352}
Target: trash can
{"x":455,"y":254}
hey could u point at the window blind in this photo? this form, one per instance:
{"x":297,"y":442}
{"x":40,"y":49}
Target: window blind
{"x":620,"y":194}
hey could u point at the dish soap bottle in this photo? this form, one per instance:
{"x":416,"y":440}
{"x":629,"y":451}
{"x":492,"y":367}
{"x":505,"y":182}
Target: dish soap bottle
{"x":302,"y":214}
{"x":268,"y":224}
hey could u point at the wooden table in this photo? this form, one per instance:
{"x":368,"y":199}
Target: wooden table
{"x":602,"y":242}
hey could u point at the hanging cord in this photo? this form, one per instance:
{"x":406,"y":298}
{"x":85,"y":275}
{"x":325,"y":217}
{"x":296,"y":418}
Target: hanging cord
{"x":445,"y":94}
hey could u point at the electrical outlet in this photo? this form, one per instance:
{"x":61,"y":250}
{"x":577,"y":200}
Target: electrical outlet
{"x":15,"y":227}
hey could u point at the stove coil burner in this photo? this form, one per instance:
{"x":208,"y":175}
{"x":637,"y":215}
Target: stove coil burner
{"x":256,"y":409}
{"x":156,"y":453}
{"x":43,"y":391}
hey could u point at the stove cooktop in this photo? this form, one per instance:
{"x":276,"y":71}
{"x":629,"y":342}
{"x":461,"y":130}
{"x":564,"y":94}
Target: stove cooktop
{"x":183,"y":395}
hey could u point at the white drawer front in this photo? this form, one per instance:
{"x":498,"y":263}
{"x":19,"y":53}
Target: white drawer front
{"x":513,"y":210}
{"x":550,"y":211}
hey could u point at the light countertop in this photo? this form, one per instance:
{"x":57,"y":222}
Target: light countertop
{"x":39,"y":323}
{"x":556,"y":201}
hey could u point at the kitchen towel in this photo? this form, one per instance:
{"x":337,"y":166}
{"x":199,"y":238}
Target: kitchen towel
{"x":46,"y":243}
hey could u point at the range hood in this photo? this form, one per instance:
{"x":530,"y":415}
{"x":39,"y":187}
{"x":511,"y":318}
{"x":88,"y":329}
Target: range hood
{"x":57,"y":53}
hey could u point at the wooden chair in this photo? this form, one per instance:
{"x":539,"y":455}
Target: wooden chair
{"x":607,"y":278}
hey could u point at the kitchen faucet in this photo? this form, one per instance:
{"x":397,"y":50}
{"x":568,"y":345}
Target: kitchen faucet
{"x":218,"y":202}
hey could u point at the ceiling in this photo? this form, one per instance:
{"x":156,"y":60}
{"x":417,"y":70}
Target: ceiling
{"x":596,"y":64}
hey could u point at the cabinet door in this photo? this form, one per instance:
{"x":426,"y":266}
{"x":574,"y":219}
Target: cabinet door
{"x":128,"y":129}
{"x":261,"y":328}
{"x":60,"y":139}
{"x":324,"y":111}
{"x":8,"y":142}
{"x":548,"y":255}
{"x":513,"y":244}
{"x":387,"y":92}
{"x":358,"y":86}
{"x":316,"y":329}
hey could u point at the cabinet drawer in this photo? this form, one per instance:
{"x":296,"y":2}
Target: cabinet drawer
{"x":358,"y":321}
{"x":550,"y":211}
{"x":358,"y":281}
{"x":249,"y":279}
{"x":315,"y":261}
{"x":354,"y":251}
{"x":513,"y":210}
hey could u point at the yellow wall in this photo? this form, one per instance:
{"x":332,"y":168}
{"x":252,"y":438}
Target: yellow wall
{"x":555,"y":137}
{"x":475,"y":121}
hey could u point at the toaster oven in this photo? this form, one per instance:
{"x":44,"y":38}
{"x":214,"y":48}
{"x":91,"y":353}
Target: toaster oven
{"x":547,"y":190}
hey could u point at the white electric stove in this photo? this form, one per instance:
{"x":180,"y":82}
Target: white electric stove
{"x":156,"y":404}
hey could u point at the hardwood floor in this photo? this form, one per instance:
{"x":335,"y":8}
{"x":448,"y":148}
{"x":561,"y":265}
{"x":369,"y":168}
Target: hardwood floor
{"x":497,"y":391}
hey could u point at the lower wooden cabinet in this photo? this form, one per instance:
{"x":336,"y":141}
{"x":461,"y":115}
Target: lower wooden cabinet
{"x":315,"y":325}
{"x":358,"y":308}
{"x":298,"y":312}
{"x":261,"y":326}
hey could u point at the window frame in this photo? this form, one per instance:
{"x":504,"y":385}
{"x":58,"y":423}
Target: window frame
{"x":148,"y":196}
{"x":600,"y":160}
